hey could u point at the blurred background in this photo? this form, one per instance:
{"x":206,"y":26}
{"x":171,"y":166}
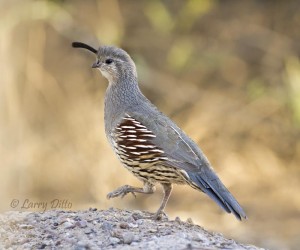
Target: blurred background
{"x":227,"y":72}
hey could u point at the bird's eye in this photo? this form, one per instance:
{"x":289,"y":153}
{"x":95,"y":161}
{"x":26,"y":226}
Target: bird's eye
{"x":108,"y":61}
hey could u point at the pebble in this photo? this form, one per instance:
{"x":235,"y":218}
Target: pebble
{"x":114,"y":240}
{"x":167,"y":231}
{"x":95,"y":222}
{"x":49,"y":236}
{"x":141,"y":222}
{"x":124,"y":225}
{"x":69,"y":225}
{"x":27,"y":246}
{"x":182,"y":235}
{"x":42,"y":246}
{"x":92,"y":209}
{"x":132,"y":225}
{"x":177,"y":219}
{"x":137,"y":216}
{"x":88,"y":231}
{"x":23,"y":240}
{"x":190,"y":221}
{"x":107,"y":226}
{"x":198,"y":237}
{"x":81,"y":244}
{"x":136,"y":238}
{"x":128,"y":237}
{"x":116,"y":233}
{"x":81,"y":223}
{"x":26,"y":226}
{"x":189,"y":246}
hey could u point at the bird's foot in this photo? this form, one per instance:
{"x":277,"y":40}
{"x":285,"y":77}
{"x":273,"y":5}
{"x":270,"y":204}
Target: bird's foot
{"x":121,"y":191}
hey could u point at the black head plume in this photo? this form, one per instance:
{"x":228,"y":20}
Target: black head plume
{"x":84,"y":46}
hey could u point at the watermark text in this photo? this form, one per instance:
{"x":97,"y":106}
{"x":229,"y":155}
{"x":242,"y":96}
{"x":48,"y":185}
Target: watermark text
{"x":28,"y":204}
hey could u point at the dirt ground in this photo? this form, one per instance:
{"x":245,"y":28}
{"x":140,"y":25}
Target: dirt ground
{"x":105,"y":229}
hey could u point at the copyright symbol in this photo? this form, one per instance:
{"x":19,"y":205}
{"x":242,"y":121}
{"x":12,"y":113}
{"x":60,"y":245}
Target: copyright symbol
{"x":14,"y":203}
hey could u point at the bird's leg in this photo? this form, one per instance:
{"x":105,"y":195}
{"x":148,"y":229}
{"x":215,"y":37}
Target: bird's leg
{"x":148,"y":188}
{"x":167,"y":192}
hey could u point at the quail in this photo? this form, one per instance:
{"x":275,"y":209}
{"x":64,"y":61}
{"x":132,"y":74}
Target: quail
{"x":149,"y":144}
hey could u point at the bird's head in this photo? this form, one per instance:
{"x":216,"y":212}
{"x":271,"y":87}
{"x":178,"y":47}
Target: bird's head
{"x":114,"y":63}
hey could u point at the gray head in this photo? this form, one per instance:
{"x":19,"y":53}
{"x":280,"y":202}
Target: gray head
{"x":114,"y":63}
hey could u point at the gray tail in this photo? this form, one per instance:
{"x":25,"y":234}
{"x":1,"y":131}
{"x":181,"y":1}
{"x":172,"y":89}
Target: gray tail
{"x":210,"y":183}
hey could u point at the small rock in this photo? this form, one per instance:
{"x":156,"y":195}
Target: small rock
{"x":114,"y":240}
{"x":23,"y":241}
{"x":49,"y":236}
{"x":132,"y":225}
{"x":124,"y":225}
{"x":43,"y":218}
{"x":177,"y":219}
{"x":88,"y":231}
{"x":69,"y":225}
{"x":136,"y":238}
{"x":190,"y":221}
{"x":198,"y":237}
{"x":182,"y":235}
{"x":26,"y":246}
{"x":77,"y":218}
{"x":107,"y":226}
{"x":167,"y":232}
{"x":92,"y":235}
{"x":128,"y":237}
{"x":116,"y":233}
{"x":26,"y":226}
{"x":140,"y":222}
{"x":42,"y":246}
{"x":189,"y":246}
{"x":81,"y":223}
{"x":129,"y":219}
{"x":81,"y":244}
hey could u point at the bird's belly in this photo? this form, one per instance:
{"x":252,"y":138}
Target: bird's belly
{"x":155,"y":173}
{"x":152,"y":171}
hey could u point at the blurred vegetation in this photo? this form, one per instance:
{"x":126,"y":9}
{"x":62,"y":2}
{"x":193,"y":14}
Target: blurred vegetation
{"x":228,"y":72}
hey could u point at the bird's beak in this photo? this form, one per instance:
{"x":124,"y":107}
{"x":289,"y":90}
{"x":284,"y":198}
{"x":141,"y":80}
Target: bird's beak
{"x":96,"y":64}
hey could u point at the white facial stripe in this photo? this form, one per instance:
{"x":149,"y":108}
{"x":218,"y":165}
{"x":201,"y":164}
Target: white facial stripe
{"x":106,"y":75}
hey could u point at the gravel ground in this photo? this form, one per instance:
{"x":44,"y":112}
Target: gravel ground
{"x":105,"y":229}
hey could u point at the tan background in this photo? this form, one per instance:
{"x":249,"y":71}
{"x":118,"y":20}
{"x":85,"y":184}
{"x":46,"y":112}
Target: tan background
{"x":227,"y":72}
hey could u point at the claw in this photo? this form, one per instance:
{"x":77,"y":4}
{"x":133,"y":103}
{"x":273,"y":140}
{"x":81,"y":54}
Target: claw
{"x":133,"y":193}
{"x":127,"y":192}
{"x":159,"y":215}
{"x":122,"y":191}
